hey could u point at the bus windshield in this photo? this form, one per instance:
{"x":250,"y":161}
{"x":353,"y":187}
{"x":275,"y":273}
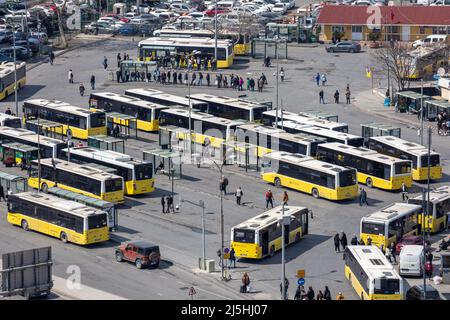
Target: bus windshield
{"x":98,"y":120}
{"x":387,"y":286}
{"x":97,"y":221}
{"x":347,"y":178}
{"x":434,"y":160}
{"x":144,"y":171}
{"x":372,"y":228}
{"x":258,"y":113}
{"x":402,"y":168}
{"x":113,"y":185}
{"x":245,"y":236}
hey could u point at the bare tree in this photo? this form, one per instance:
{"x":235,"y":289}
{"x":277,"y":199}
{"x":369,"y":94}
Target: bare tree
{"x":59,"y":11}
{"x":394,"y":58}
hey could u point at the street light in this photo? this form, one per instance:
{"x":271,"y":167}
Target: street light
{"x":284,"y":221}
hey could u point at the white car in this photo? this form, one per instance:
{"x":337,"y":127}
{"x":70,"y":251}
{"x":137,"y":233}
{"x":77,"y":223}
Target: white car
{"x":180,"y":8}
{"x":363,"y":3}
{"x":130,"y":15}
{"x":290,"y":4}
{"x":198,"y":15}
{"x":279,"y":8}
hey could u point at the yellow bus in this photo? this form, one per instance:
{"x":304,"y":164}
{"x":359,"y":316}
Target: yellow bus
{"x":268,"y":139}
{"x":67,"y":220}
{"x":147,"y":113}
{"x":82,"y":122}
{"x":418,"y":154}
{"x":7,"y":77}
{"x":390,"y":224}
{"x":78,"y":178}
{"x":206,"y":129}
{"x":305,"y":174}
{"x":374,"y":169}
{"x":260,"y":236}
{"x":156,"y":47}
{"x":137,"y":174}
{"x":371,"y":275}
{"x":439,"y":209}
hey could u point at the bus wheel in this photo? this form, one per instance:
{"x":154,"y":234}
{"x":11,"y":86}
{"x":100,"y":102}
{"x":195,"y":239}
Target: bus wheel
{"x":272,"y":251}
{"x":44,"y":188}
{"x":277,"y":182}
{"x":315,"y":193}
{"x":369,"y":183}
{"x":63,"y":237}
{"x":24,"y":225}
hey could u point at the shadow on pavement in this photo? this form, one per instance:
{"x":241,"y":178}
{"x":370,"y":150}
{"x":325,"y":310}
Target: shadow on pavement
{"x":25,"y":93}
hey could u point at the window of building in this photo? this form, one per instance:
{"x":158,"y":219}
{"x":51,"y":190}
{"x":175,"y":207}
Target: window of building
{"x":357,"y":29}
{"x":340,"y":29}
{"x":441,"y":30}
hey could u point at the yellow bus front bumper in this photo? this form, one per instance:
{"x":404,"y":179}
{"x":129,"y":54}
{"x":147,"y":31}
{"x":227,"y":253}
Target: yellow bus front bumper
{"x":135,"y":187}
{"x":422,"y":173}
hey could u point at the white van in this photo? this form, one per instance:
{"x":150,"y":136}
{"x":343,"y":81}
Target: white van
{"x":411,"y":260}
{"x":431,"y":39}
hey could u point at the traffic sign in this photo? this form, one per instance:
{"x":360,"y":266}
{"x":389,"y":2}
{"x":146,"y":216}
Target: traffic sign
{"x":300,"y":273}
{"x":69,"y":134}
{"x":301,"y":281}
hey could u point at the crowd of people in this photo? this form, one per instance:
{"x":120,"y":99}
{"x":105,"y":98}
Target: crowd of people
{"x":443,"y":123}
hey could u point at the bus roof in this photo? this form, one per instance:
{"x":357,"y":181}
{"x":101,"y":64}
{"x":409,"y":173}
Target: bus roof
{"x":195,"y":115}
{"x":81,"y":169}
{"x":303,"y":118}
{"x":362,"y":152}
{"x":436,"y":195}
{"x":191,"y":32}
{"x":48,"y":200}
{"x":4,"y":116}
{"x":404,"y":145}
{"x":266,"y":218}
{"x":306,"y":161}
{"x":392,"y":212}
{"x":129,"y":99}
{"x":374,"y":262}
{"x":28,"y":135}
{"x":8,"y":67}
{"x":106,"y":155}
{"x":314,"y":130}
{"x":182,"y":101}
{"x":59,"y":105}
{"x":238,"y":103}
{"x":189,"y":42}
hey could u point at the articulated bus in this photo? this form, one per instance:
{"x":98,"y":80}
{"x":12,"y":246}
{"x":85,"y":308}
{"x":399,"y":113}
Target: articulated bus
{"x":391,"y":224}
{"x":214,"y":130}
{"x":269,"y":118}
{"x":67,"y":220}
{"x":308,"y":175}
{"x":439,"y":207}
{"x":268,"y":139}
{"x":82,"y":122}
{"x":232,"y":108}
{"x":147,"y":113}
{"x":78,"y":178}
{"x":371,"y":274}
{"x":374,"y":169}
{"x":201,"y":47}
{"x":7,"y":83}
{"x":137,"y":174}
{"x":418,"y":154}
{"x":49,"y":147}
{"x":260,"y":236}
{"x":7,"y":120}
{"x":166,"y":99}
{"x":329,"y":135}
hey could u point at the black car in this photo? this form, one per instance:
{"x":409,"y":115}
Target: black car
{"x":416,"y":293}
{"x":344,"y":46}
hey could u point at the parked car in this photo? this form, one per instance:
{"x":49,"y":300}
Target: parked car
{"x":34,"y":47}
{"x":279,"y":7}
{"x":211,"y":11}
{"x":344,"y":46}
{"x":7,"y":58}
{"x":290,"y":4}
{"x":5,"y":36}
{"x":127,"y":29}
{"x":97,"y":28}
{"x":431,"y":39}
{"x":21,"y":52}
{"x":141,"y":253}
{"x":406,"y":241}
{"x":180,"y":8}
{"x":416,"y":293}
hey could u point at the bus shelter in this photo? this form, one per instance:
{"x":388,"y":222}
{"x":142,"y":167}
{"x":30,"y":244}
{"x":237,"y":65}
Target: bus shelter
{"x":46,"y":127}
{"x":437,"y":106}
{"x":322,"y":115}
{"x":247,"y":156}
{"x":14,"y":183}
{"x":106,"y":143}
{"x":17,"y":153}
{"x":169,"y":138}
{"x":262,"y":48}
{"x":373,"y":129}
{"x":290,"y":32}
{"x":126,"y":124}
{"x":108,"y":207}
{"x":411,"y":101}
{"x":165,"y":161}
{"x":136,"y":70}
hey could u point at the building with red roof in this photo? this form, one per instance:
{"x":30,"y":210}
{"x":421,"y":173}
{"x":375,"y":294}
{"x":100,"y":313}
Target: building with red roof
{"x":402,"y":23}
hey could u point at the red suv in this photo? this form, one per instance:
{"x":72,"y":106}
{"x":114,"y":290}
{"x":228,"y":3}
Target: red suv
{"x":141,"y":253}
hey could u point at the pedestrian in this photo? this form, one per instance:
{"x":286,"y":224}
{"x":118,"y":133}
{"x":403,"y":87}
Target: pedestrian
{"x":354,"y":240}
{"x":324,"y":79}
{"x":8,"y":111}
{"x":245,"y":283}
{"x":252,"y":84}
{"x":2,"y":193}
{"x":343,"y":239}
{"x":393,"y":253}
{"x":170,"y":205}
{"x":239,"y":193}
{"x":194,"y":76}
{"x":286,"y":287}
{"x":175,"y":77}
{"x":310,"y":294}
{"x":282,"y":74}
{"x":52,"y":57}
{"x":369,"y":241}
{"x":163,"y":204}
{"x":320,"y":295}
{"x":105,"y":62}
{"x":327,"y":293}
{"x":347,"y":96}
{"x":318,"y":79}
{"x":336,"y":243}
{"x":116,"y":131}
{"x":119,"y":59}
{"x":362,"y":197}
{"x":180,"y":77}
{"x":260,"y":85}
{"x":92,"y":82}
{"x":336,"y":97}
{"x":428,"y":269}
{"x":298,"y":293}
{"x":200,"y":79}
{"x":361,"y":242}
{"x":81,"y":89}
{"x":285,"y":198}
{"x":321,"y":100}
{"x":70,"y":76}
{"x":269,"y":198}
{"x":404,"y":192}
{"x":208,"y":79}
{"x":340,"y":296}
{"x":232,"y":257}
{"x":240,"y":83}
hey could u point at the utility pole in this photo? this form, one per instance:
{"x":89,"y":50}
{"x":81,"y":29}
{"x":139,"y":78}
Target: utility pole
{"x":15,"y":75}
{"x":26,"y":27}
{"x":425,"y":219}
{"x":215,"y":33}
{"x":283,"y":270}
{"x":220,"y":168}
{"x":421,"y":111}
{"x":276,"y":105}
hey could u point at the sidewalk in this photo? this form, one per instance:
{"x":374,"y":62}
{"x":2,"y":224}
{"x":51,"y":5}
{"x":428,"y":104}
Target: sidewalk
{"x":84,"y":293}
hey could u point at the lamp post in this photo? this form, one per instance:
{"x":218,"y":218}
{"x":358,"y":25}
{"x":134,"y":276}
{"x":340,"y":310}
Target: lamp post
{"x":220,"y":168}
{"x":421,"y":111}
{"x":284,"y":221}
{"x":15,"y":75}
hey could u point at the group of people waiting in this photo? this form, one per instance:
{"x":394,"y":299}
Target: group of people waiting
{"x":443,"y":123}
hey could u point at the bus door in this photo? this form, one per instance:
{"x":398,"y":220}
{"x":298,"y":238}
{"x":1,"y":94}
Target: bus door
{"x":265,"y":242}
{"x":305,"y":223}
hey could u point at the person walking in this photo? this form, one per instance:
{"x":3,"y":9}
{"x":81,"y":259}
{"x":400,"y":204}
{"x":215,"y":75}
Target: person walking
{"x":239,"y":193}
{"x":337,"y":243}
{"x":105,"y":62}
{"x":92,"y":82}
{"x":51,"y":57}
{"x":336,"y":97}
{"x":269,"y":198}
{"x":318,"y":79}
{"x":362,"y":197}
{"x":200,"y":79}
{"x":170,"y":204}
{"x":285,"y":198}
{"x":2,"y":193}
{"x":340,"y":296}
{"x":286,"y":288}
{"x":232,"y":258}
{"x":324,"y":80}
{"x":428,"y":269}
{"x":404,"y":192}
{"x":321,"y":100}
{"x":343,"y":239}
{"x":224,"y":184}
{"x":320,"y":295}
{"x":208,"y":79}
{"x":393,"y":253}
{"x":298,"y":293}
{"x":163,"y":204}
{"x":194,"y":76}
{"x":70,"y":76}
{"x":282,"y":74}
{"x":119,"y":60}
{"x":245,"y":283}
{"x":354,"y":240}
{"x":81,"y":88}
{"x":327,"y":293}
{"x":310,"y":294}
{"x":167,"y":203}
{"x":8,"y":111}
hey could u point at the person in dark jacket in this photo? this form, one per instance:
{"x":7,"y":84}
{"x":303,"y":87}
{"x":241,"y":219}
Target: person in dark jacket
{"x":336,"y":243}
{"x":2,"y":193}
{"x":354,"y":240}
{"x":343,"y":239}
{"x":310,"y":294}
{"x":163,"y":204}
{"x":232,"y":257}
{"x":92,"y":82}
{"x":327,"y":293}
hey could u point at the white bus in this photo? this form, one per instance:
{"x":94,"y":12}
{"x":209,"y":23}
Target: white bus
{"x":7,"y":120}
{"x":232,"y":108}
{"x":371,"y":275}
{"x":269,"y":117}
